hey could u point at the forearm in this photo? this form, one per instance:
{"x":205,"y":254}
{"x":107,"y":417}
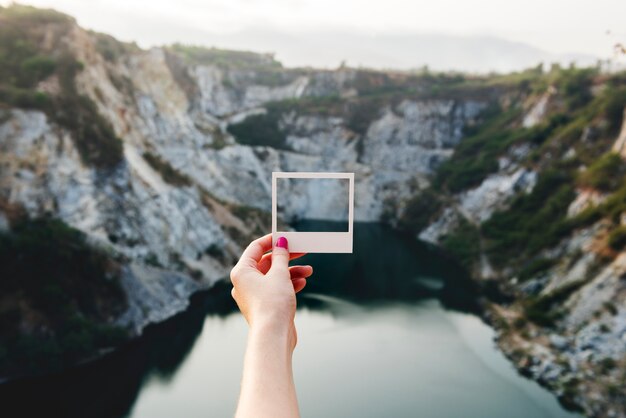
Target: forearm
{"x":267,"y":388}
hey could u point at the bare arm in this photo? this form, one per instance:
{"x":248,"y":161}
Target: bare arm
{"x":264,"y":289}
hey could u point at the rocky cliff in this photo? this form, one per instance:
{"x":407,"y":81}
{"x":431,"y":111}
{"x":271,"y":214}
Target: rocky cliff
{"x":163,"y":158}
{"x":533,"y":204}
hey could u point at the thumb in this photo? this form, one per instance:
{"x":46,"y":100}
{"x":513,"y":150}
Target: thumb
{"x":280,"y":255}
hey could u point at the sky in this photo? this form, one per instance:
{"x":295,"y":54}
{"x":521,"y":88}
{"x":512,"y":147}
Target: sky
{"x":558,"y":27}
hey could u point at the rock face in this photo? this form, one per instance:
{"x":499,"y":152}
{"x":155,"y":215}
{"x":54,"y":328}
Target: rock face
{"x":575,"y":341}
{"x":176,"y":113}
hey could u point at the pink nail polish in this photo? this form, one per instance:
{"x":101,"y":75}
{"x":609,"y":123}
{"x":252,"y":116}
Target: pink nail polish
{"x":281,"y":242}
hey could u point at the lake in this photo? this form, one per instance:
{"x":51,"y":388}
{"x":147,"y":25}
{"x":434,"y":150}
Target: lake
{"x":385,"y":332}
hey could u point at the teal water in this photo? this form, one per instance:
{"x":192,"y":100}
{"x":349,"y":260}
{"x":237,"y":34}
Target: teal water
{"x":377,"y":338}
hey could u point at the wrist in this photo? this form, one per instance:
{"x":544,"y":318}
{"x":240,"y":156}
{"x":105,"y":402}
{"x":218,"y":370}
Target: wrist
{"x":270,"y":320}
{"x":274,"y":331}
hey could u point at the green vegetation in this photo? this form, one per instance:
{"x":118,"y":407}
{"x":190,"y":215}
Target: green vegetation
{"x":607,"y":364}
{"x":463,"y":243}
{"x":244,"y":60}
{"x":361,"y":113}
{"x":32,"y":16}
{"x":614,"y":108}
{"x":605,"y":174}
{"x":575,"y":85}
{"x":420,"y":211}
{"x":168,"y":173}
{"x":251,"y":67}
{"x":477,"y":155}
{"x":62,"y":290}
{"x":262,"y":129}
{"x":532,"y":222}
{"x":24,"y":64}
{"x":545,"y":310}
{"x":110,"y":48}
{"x":535,"y":267}
{"x":611,"y":308}
{"x":93,"y":135}
{"x":617,"y":238}
{"x":612,"y":208}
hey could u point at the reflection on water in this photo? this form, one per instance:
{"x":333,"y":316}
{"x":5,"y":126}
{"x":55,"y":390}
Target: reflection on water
{"x":373,"y":342}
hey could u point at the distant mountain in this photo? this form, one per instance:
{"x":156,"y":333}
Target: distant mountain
{"x":403,"y":51}
{"x":328,"y":48}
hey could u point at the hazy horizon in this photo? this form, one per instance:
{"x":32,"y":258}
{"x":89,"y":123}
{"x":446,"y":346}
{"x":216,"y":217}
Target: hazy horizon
{"x":474,"y":36}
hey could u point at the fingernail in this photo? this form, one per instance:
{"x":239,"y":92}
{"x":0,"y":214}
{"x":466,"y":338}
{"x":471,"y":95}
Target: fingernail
{"x":281,"y":242}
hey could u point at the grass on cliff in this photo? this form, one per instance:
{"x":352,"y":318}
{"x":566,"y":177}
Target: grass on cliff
{"x":477,"y":155}
{"x":225,"y":58}
{"x":57,"y":295}
{"x":534,"y":221}
{"x":24,"y":64}
{"x":420,"y":210}
{"x":253,"y":67}
{"x":538,"y":220}
{"x":463,"y":243}
{"x":168,"y":173}
{"x":605,"y":174}
{"x":263,"y":129}
{"x":545,"y":310}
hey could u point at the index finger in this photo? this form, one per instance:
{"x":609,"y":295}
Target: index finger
{"x":255,"y":250}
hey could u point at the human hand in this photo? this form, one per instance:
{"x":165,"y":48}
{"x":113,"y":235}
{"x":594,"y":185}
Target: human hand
{"x":265,"y":287}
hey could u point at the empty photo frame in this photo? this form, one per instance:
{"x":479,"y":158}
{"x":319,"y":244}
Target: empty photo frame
{"x":314,"y":242}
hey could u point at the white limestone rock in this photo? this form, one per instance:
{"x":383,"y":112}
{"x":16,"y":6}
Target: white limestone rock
{"x":494,"y":192}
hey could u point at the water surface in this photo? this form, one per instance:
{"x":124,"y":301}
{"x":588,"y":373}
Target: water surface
{"x":377,"y":338}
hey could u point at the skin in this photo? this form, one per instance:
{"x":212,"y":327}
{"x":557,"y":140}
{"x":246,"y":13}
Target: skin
{"x":265,"y":287}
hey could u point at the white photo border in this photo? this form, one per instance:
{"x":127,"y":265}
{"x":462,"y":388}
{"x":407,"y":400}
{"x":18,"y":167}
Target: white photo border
{"x":314,"y":242}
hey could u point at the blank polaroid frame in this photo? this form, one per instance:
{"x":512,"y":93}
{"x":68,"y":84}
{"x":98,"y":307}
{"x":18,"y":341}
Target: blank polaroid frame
{"x":314,"y":242}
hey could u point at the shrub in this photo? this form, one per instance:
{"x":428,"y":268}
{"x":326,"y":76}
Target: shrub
{"x":23,"y":65}
{"x":607,"y":364}
{"x":168,"y":173}
{"x":535,"y":267}
{"x":33,"y":16}
{"x":575,"y":84}
{"x":246,"y":60}
{"x":617,"y":238}
{"x":477,"y":155}
{"x":532,"y":222}
{"x":614,"y":109}
{"x":420,"y":211}
{"x":540,"y":309}
{"x":611,"y":308}
{"x":463,"y":243}
{"x":110,"y":48}
{"x":93,"y":135}
{"x":612,"y":207}
{"x":60,"y":284}
{"x":361,"y":114}
{"x":260,"y":129}
{"x":604,"y":174}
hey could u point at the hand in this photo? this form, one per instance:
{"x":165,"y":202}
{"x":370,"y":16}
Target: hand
{"x":265,"y":287}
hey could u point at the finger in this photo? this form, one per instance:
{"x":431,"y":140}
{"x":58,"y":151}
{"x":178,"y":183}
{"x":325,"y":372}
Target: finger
{"x":280,"y":255}
{"x":266,"y":261}
{"x":254,"y":252}
{"x":298,"y":284}
{"x":300,"y":271}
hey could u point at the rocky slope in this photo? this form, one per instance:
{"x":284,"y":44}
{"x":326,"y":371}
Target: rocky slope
{"x":548,"y":219}
{"x":166,"y":156}
{"x":134,"y":148}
